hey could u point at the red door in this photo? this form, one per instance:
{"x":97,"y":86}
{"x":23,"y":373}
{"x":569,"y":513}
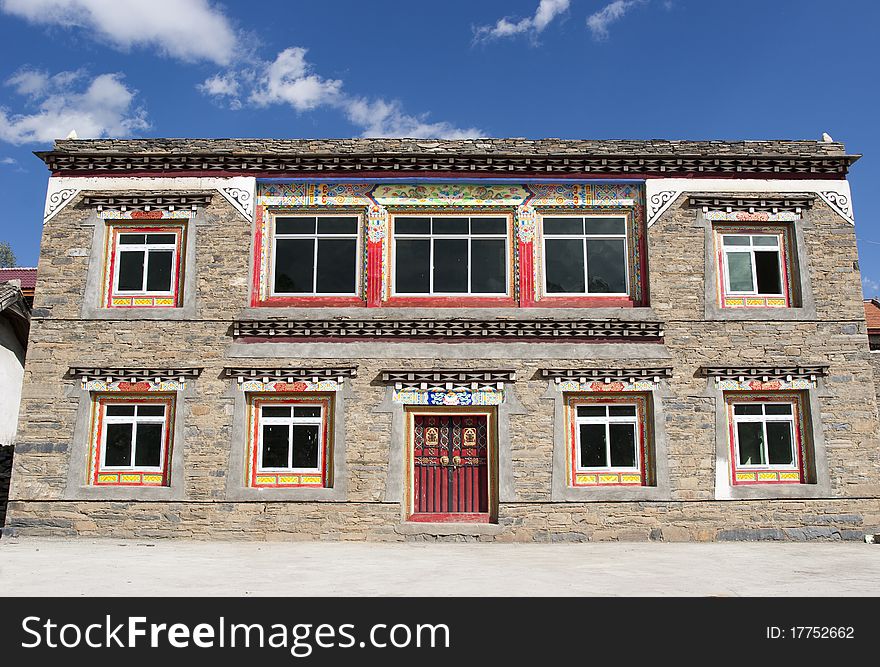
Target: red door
{"x":450,"y":468}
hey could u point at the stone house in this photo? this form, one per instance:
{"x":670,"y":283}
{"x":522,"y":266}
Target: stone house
{"x":494,"y":339}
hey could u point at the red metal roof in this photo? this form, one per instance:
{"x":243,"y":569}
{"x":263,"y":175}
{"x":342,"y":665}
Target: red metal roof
{"x":27,"y":276}
{"x":872,"y":315}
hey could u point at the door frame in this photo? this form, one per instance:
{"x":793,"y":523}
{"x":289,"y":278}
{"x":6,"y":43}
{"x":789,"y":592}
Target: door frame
{"x":491,"y":414}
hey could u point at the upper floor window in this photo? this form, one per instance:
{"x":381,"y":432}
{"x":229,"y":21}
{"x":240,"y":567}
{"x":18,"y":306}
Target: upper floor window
{"x":753,"y":268}
{"x":446,"y":255}
{"x":585,"y":255}
{"x":146,"y":266}
{"x":315,"y":255}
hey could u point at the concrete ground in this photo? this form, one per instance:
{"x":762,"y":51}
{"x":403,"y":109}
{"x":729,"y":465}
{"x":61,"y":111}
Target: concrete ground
{"x":46,"y":567}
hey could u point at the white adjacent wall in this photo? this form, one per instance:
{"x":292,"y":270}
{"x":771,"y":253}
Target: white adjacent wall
{"x":11,"y":375}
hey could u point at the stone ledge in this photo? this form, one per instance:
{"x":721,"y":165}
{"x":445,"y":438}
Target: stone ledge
{"x":414,"y":528}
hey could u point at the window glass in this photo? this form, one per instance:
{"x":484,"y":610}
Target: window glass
{"x":412,"y":269}
{"x":593,"y":449}
{"x":496,"y":226}
{"x":591,"y":410}
{"x":336,"y":270}
{"x":307,"y":411}
{"x":120,"y":410}
{"x":305,"y":445}
{"x":623,"y":445}
{"x":450,"y":265}
{"x":564,"y":266}
{"x":751,"y":441}
{"x":563,"y":226}
{"x":294,"y":225}
{"x":117,"y":446}
{"x":488,"y":258}
{"x":606,"y":265}
{"x":779,"y":443}
{"x":598,"y":226}
{"x":778,"y":408}
{"x":275,"y":445}
{"x":147,"y":410}
{"x":159,"y":271}
{"x":131,"y":271}
{"x":406,"y":225}
{"x":294,"y":265}
{"x":450,"y":226}
{"x":131,"y":239}
{"x":148,"y":452}
{"x":337,"y":225}
{"x":748,"y":409}
{"x":767,"y":272}
{"x":276,"y":411}
{"x":739,"y":269}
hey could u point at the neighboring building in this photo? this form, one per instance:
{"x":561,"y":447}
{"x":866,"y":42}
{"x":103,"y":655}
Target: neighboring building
{"x":23,"y":276}
{"x":479,"y":339}
{"x":872,"y":317}
{"x":14,"y":324}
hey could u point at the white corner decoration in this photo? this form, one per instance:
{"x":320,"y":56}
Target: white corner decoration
{"x":661,"y":192}
{"x":237,"y":190}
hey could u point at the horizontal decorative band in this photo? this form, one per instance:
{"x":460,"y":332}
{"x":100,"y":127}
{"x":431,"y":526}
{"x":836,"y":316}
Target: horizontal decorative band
{"x":793,"y":203}
{"x":163,"y":201}
{"x":134,"y":374}
{"x":764,"y":372}
{"x":606,"y":374}
{"x":294,"y":374}
{"x":62,"y":161}
{"x":546,"y":329}
{"x":436,"y":377}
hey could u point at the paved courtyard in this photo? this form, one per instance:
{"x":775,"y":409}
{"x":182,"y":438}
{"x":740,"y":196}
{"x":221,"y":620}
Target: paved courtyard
{"x":44,"y":567}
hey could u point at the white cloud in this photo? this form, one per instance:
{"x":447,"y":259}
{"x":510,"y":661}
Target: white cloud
{"x":505,"y":27}
{"x":190,"y":30}
{"x":598,"y":22}
{"x":8,"y":160}
{"x":291,"y":80}
{"x":64,"y":102}
{"x":381,"y":118}
{"x":870,"y":287}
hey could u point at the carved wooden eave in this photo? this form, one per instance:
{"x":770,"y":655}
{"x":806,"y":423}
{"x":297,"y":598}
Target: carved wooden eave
{"x":445,"y":329}
{"x":105,"y":162}
{"x":115,"y":373}
{"x":792,"y":203}
{"x":313,"y":374}
{"x":582,"y":375}
{"x":764,"y":373}
{"x":446,"y":377}
{"x":147,"y":201}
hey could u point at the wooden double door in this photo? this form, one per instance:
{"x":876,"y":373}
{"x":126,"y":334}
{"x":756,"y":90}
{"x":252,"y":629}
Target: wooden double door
{"x":450,"y":467}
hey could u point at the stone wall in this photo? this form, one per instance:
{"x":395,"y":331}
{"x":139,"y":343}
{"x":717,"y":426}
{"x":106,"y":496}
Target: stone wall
{"x":836,"y":337}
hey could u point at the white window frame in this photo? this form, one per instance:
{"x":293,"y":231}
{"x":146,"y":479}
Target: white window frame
{"x":783,"y":278}
{"x":146,"y":248}
{"x":134,"y":420}
{"x":763,"y":418}
{"x":584,"y":237}
{"x":607,"y":420}
{"x":506,"y":237}
{"x":358,"y":253}
{"x":290,"y":422}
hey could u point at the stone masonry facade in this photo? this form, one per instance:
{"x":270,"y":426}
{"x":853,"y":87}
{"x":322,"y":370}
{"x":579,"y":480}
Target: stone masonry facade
{"x":826,"y":330}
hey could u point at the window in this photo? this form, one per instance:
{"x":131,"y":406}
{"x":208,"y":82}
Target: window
{"x":765,"y":440}
{"x":753,"y":269}
{"x":290,"y":441}
{"x":132,"y":440}
{"x":145,"y":266}
{"x":608,"y":440}
{"x":585,"y":256}
{"x":445,"y":255}
{"x":315,"y":255}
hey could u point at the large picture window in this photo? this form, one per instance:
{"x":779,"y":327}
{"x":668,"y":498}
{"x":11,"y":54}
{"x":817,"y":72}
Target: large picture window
{"x":445,"y":255}
{"x":765,"y":440}
{"x":315,"y":255}
{"x":585,"y":255}
{"x":132,"y":440}
{"x":608,"y":440}
{"x":289,"y":441}
{"x":145,"y":266}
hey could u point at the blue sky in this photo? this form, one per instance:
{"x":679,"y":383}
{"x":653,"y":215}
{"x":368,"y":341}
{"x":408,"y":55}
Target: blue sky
{"x":674,"y":69}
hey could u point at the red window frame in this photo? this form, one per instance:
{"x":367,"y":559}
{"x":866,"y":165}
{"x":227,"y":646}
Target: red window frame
{"x":769,"y":474}
{"x":133,"y":477}
{"x":726,"y":300}
{"x":114,"y":299}
{"x":583,"y":478}
{"x":276,"y":479}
